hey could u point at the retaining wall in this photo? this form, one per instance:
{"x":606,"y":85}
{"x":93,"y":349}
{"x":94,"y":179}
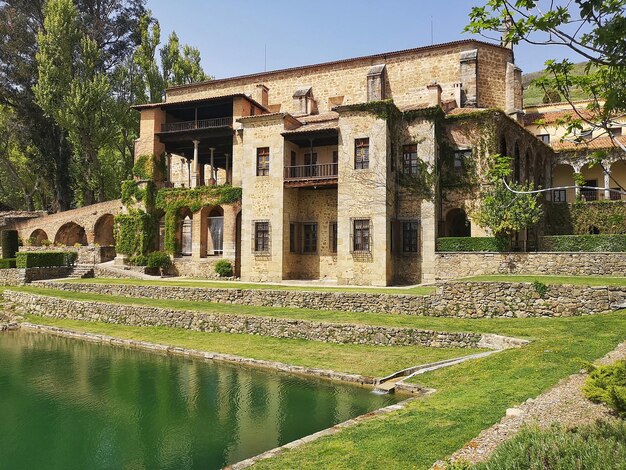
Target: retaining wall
{"x":16,"y":277}
{"x":89,"y":254}
{"x":247,"y":324}
{"x":465,"y":264}
{"x":458,"y":299}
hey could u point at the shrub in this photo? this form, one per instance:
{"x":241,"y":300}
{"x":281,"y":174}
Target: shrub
{"x":473,"y":244}
{"x":9,"y":242}
{"x":601,"y":445}
{"x":46,"y":242}
{"x":224,"y":268}
{"x":159,"y":259}
{"x":45,"y":259}
{"x":138,"y":260}
{"x":540,"y":288}
{"x":7,"y":263}
{"x":613,"y":243}
{"x":607,"y":384}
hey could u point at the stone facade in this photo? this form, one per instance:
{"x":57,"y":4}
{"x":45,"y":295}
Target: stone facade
{"x":455,"y":299}
{"x":457,"y":265}
{"x":16,"y":277}
{"x":244,"y":324}
{"x":89,"y":254}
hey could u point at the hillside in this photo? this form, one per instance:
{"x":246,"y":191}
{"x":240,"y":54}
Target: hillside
{"x":534,"y":95}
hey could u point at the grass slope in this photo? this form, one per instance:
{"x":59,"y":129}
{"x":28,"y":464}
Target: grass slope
{"x":533,"y":95}
{"x":417,"y":290}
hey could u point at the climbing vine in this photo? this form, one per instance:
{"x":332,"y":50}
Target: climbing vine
{"x":172,"y":201}
{"x":132,"y":193}
{"x":149,"y":167}
{"x":583,"y":218}
{"x":134,"y":232}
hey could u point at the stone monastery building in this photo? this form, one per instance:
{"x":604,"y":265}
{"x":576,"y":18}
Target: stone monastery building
{"x":347,"y":168}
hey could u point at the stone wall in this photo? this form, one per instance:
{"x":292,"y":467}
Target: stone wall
{"x":457,"y":265}
{"x":16,"y":277}
{"x":243,"y":324}
{"x":86,"y":254}
{"x":457,"y":299}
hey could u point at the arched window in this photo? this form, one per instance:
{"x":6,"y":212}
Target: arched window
{"x":186,"y":236}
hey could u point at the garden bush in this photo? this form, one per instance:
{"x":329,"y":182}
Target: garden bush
{"x":613,"y":243}
{"x":607,"y":384}
{"x":473,"y":244}
{"x":7,"y":263}
{"x":159,"y":259}
{"x":224,"y":268}
{"x":138,"y":260}
{"x":9,"y":242}
{"x":45,"y":259}
{"x":598,"y":446}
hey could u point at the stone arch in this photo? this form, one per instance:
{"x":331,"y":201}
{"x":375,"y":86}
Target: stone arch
{"x":215,"y":231}
{"x":103,"y":230}
{"x":528,"y":169}
{"x":516,"y":163}
{"x":617,"y":179}
{"x":594,"y":177}
{"x":70,"y":234}
{"x":503,"y":146}
{"x":457,"y":223}
{"x":37,"y":237}
{"x":238,"y":244}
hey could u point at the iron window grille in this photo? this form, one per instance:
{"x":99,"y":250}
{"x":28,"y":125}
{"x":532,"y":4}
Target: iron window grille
{"x":263,"y":161}
{"x":409,"y":159}
{"x":332,"y":235}
{"x":460,"y":161}
{"x":309,"y":237}
{"x":362,"y":154}
{"x":559,"y":195}
{"x":361,"y":236}
{"x":261,"y":236}
{"x":410,"y":236}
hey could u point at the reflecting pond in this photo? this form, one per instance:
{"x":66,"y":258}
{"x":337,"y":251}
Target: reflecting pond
{"x":68,"y":404}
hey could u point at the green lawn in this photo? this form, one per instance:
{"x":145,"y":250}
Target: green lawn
{"x":417,"y":290}
{"x":547,"y":279}
{"x":373,"y":361}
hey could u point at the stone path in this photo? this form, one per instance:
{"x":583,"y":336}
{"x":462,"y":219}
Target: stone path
{"x":564,"y":404}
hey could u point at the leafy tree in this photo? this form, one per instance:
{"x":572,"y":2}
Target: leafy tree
{"x":593,"y":29}
{"x":504,"y":211}
{"x":181,"y":66}
{"x":152,"y":85}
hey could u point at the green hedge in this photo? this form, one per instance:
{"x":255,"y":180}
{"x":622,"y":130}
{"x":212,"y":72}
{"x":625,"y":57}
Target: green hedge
{"x":45,"y":259}
{"x":9,"y":242}
{"x":7,"y":263}
{"x":134,"y":232}
{"x":614,"y":243}
{"x":473,"y":244}
{"x":582,"y":218}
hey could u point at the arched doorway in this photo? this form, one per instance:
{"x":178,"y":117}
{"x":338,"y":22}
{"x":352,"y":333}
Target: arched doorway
{"x":457,"y":224}
{"x":71,"y":234}
{"x":563,"y":175}
{"x":37,"y":237}
{"x":103,"y":231}
{"x":215,"y":227}
{"x":186,"y":231}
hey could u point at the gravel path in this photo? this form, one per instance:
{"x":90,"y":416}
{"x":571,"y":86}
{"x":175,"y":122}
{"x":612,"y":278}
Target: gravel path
{"x":564,"y":404}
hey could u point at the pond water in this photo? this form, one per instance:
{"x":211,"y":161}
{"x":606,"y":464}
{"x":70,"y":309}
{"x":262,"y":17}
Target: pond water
{"x":71,"y":404}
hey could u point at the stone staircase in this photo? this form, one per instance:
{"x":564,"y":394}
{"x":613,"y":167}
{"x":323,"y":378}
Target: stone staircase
{"x":82,"y":271}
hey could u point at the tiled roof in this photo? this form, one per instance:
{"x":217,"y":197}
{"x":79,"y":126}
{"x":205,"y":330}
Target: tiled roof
{"x":550,"y":117}
{"x":414,"y":107}
{"x":383,"y":56}
{"x":314,"y":127}
{"x":166,"y":104}
{"x":599,"y":143}
{"x":329,"y":116}
{"x":459,"y":111}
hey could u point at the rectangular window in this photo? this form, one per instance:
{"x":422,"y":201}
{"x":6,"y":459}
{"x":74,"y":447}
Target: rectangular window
{"x":545,"y":138}
{"x":361,"y":154}
{"x":309,"y":244}
{"x":616,"y":131}
{"x":361,"y":235}
{"x":409,"y":159}
{"x":559,"y":195}
{"x":615,"y":195}
{"x":332,"y":234}
{"x":590,"y":194}
{"x":263,"y":161}
{"x":460,"y":161}
{"x":262,"y":237}
{"x":410,"y":236}
{"x":293,"y":241}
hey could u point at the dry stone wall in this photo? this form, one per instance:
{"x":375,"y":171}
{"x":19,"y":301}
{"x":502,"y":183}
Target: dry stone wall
{"x":243,"y":324}
{"x":456,"y":265}
{"x":16,"y":277}
{"x":456,"y":299}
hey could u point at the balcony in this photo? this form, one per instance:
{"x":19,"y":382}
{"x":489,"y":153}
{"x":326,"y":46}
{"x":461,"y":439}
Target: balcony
{"x":320,"y":174}
{"x":185,"y":126}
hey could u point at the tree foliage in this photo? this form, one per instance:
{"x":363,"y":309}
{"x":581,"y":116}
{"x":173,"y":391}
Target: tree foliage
{"x":501,"y":210}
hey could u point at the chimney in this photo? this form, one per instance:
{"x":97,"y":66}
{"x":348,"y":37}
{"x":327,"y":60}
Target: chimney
{"x":507,"y":25}
{"x":434,"y":94}
{"x":376,"y":83}
{"x":458,"y":94}
{"x":261,"y":96}
{"x":513,"y":87}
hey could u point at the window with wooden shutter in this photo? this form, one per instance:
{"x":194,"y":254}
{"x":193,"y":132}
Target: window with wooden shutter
{"x":263,"y":161}
{"x":261,"y":236}
{"x":332,"y":235}
{"x":309,"y":237}
{"x":361,"y":236}
{"x":361,"y":154}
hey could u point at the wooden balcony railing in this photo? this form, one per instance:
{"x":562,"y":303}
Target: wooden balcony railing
{"x":311,"y":172}
{"x":199,"y":124}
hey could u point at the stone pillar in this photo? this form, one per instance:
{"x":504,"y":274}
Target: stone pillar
{"x":168,"y":171}
{"x":577,"y":168}
{"x":227,"y":176}
{"x":195,"y":177}
{"x":513,"y":89}
{"x":212,"y":180}
{"x":196,"y":235}
{"x":230,"y":230}
{"x":607,"y":185}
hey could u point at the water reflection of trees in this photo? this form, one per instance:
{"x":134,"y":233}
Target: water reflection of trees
{"x":102,"y":406}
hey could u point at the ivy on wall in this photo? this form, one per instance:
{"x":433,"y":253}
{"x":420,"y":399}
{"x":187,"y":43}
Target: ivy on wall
{"x":132,"y":193}
{"x":149,"y":167}
{"x":134,"y":232}
{"x":583,"y":218}
{"x":173,"y":200}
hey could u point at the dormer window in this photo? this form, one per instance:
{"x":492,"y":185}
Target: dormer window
{"x":303,"y":101}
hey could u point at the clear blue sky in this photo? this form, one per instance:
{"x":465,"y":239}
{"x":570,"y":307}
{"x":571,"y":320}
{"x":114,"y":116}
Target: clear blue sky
{"x":233,"y":34}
